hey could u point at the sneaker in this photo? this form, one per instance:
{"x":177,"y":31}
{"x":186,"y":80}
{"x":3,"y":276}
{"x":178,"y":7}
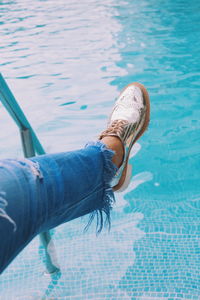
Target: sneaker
{"x":128,"y":121}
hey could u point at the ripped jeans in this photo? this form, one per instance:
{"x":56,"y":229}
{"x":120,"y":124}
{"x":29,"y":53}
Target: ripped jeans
{"x":40,"y":193}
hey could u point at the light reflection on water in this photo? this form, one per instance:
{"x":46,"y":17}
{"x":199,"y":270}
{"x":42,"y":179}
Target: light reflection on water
{"x":50,"y":58}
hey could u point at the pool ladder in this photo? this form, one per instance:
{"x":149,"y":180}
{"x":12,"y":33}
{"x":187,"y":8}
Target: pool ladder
{"x":31,"y":146}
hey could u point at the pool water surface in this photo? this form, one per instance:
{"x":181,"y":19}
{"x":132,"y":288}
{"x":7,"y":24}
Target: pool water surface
{"x":66,"y":62}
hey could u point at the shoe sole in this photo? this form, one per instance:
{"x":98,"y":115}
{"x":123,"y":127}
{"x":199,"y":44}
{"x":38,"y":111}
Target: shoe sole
{"x":119,"y":187}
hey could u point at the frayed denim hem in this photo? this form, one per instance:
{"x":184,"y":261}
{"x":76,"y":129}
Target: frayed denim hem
{"x":105,"y":207}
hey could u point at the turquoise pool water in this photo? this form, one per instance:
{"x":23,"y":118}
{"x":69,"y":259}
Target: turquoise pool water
{"x":66,"y":62}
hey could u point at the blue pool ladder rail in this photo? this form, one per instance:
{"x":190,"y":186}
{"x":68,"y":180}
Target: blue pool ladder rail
{"x":31,"y":145}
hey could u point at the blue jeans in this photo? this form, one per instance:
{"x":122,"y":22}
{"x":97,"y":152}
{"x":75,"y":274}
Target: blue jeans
{"x":40,"y":193}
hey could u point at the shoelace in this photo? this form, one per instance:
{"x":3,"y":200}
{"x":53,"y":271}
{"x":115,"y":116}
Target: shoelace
{"x":118,"y":128}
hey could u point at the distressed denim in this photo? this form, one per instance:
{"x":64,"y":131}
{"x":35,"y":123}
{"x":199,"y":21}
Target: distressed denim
{"x":43,"y":192}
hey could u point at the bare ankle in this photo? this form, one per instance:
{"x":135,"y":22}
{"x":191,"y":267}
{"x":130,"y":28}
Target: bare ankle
{"x":115,"y":144}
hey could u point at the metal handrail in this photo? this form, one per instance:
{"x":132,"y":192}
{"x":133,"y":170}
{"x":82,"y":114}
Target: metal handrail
{"x":31,"y":145}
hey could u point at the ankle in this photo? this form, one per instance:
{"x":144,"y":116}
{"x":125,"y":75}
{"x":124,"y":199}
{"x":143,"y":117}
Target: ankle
{"x":115,"y":144}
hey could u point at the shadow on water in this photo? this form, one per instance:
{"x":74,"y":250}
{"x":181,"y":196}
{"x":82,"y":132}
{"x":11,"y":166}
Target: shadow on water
{"x":54,"y":280}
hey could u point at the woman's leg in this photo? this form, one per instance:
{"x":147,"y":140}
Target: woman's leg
{"x":48,"y":190}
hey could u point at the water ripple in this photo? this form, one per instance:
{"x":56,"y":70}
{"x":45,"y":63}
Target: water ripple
{"x":66,"y":62}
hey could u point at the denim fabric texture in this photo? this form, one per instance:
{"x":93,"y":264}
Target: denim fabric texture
{"x":45,"y":191}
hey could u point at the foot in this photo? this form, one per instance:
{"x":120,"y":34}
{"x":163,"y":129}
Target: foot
{"x":128,"y":121}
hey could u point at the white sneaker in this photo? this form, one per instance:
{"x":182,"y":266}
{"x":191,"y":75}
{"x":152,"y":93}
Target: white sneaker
{"x":128,"y":121}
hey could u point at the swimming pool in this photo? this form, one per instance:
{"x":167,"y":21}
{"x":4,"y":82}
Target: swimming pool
{"x":66,"y":62}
